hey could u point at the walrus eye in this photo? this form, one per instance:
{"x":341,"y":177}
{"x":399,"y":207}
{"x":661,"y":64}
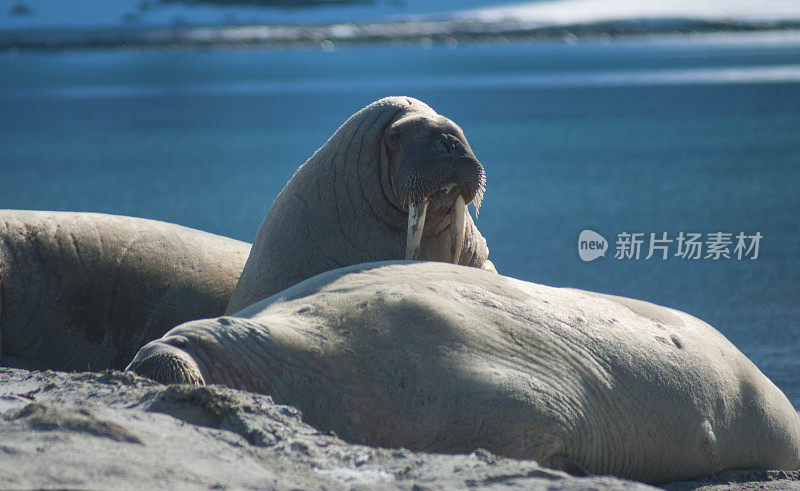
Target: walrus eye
{"x":178,"y":342}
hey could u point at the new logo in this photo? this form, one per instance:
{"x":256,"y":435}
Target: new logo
{"x":591,"y":245}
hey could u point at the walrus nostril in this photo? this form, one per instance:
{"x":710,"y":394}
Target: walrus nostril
{"x":449,"y":145}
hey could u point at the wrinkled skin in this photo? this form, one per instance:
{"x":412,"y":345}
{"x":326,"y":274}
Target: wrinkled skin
{"x":443,"y":358}
{"x":349,"y":202}
{"x":82,"y":291}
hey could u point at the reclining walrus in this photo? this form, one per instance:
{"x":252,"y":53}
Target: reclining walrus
{"x":443,"y":358}
{"x":85,"y":291}
{"x":392,"y":182}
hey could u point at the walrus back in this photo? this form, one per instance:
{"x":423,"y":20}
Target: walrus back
{"x":325,"y":217}
{"x":85,"y":291}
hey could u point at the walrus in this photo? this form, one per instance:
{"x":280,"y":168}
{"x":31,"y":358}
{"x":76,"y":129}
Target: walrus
{"x":392,"y":182}
{"x":82,"y":291}
{"x":444,"y":358}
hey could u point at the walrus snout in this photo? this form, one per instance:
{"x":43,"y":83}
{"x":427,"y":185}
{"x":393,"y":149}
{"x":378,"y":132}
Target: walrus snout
{"x":440,"y":176}
{"x":161,"y":361}
{"x":430,"y":153}
{"x":435,"y":172}
{"x":444,"y":198}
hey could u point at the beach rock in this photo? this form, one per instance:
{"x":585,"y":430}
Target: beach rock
{"x":741,"y":480}
{"x":118,"y":430}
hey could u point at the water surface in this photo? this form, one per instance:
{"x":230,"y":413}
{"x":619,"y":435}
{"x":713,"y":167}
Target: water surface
{"x":635,"y":136}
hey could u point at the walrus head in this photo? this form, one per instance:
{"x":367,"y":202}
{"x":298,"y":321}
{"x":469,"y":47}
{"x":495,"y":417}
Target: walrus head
{"x":432,"y":173}
{"x":392,"y":182}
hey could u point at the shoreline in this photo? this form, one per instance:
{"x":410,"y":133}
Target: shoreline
{"x":328,"y":36}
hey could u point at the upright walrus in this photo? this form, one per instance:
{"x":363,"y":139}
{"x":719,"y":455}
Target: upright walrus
{"x":443,"y":358}
{"x":85,"y":291}
{"x":392,"y":182}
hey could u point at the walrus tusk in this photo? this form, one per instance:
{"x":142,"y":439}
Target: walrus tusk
{"x":457,"y":224}
{"x":416,"y":223}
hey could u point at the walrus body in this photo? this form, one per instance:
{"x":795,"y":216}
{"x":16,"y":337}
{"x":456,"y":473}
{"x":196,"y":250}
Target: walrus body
{"x":391,"y":183}
{"x":438,"y":357}
{"x":85,"y":291}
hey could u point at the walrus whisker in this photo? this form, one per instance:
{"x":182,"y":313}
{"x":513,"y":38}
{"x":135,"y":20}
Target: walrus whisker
{"x":416,"y":224}
{"x":458,"y":221}
{"x":476,"y":201}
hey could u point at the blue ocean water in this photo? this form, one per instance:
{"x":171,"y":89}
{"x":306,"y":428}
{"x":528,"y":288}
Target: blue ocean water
{"x":136,"y":13}
{"x":625,"y":136}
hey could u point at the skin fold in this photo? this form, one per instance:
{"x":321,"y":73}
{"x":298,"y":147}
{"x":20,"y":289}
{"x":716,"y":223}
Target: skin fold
{"x":443,"y":358}
{"x":81,"y":291}
{"x":349,"y":203}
